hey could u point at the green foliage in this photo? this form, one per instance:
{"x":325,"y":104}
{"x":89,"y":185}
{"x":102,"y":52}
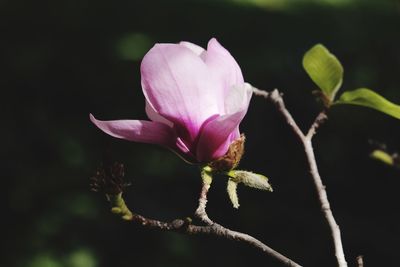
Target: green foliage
{"x":81,"y":258}
{"x":44,"y":260}
{"x":368,"y":98}
{"x":324,"y":69}
{"x":382,"y":156}
{"x":327,"y":72}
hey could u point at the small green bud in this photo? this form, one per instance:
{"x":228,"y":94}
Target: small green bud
{"x":127,"y":217}
{"x":118,"y":206}
{"x":382,"y":156}
{"x":116,"y":210}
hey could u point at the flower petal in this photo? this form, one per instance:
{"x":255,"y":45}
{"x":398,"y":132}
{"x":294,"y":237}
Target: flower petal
{"x":178,"y":85}
{"x":222,"y":65}
{"x":194,"y":47}
{"x":138,"y":131}
{"x":218,"y":134}
{"x":216,"y":137}
{"x":238,"y":98}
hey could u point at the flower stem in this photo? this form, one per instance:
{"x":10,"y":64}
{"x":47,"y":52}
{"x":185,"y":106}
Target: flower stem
{"x":206,"y":175}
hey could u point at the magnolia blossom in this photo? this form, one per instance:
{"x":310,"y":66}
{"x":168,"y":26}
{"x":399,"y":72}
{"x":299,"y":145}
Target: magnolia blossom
{"x":195,"y":100}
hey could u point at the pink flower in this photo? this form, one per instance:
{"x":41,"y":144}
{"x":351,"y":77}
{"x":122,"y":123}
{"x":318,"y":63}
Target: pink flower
{"x":195,"y":99}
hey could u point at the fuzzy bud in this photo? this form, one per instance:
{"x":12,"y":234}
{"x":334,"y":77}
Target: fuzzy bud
{"x":251,"y":179}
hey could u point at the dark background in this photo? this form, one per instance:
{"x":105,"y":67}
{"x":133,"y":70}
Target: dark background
{"x":62,"y":60}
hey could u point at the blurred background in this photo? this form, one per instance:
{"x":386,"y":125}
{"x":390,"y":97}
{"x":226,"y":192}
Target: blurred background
{"x":61,"y":60}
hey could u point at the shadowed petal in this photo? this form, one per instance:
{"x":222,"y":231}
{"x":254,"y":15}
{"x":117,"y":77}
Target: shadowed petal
{"x":218,"y":134}
{"x":178,"y":85}
{"x":138,"y":131}
{"x":222,"y":65}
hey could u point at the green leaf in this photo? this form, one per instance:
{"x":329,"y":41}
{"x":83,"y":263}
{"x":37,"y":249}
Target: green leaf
{"x":368,"y":98}
{"x":324,"y":69}
{"x":250,"y":179}
{"x":382,"y":156}
{"x":232,"y":193}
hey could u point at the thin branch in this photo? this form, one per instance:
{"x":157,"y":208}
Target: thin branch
{"x":277,"y":99}
{"x":212,"y":228}
{"x":201,"y":209}
{"x":306,"y":140}
{"x":317,"y":122}
{"x":185,"y":226}
{"x":110,"y":182}
{"x":259,"y":92}
{"x":325,"y":206}
{"x":360,"y":261}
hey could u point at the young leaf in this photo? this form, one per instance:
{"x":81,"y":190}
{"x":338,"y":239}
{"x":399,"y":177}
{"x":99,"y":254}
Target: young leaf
{"x":368,"y":98}
{"x":324,"y":69}
{"x":232,"y":193}
{"x":251,"y":179}
{"x":247,"y":178}
{"x":382,"y":156}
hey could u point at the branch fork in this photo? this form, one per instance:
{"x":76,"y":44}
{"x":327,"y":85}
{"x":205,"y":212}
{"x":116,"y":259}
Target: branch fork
{"x":306,"y":139}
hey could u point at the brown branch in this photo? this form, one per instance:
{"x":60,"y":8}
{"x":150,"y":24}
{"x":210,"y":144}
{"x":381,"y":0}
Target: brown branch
{"x":110,"y":182}
{"x":360,"y":261}
{"x":185,"y":226}
{"x":277,"y":99}
{"x":201,"y":209}
{"x":306,"y":139}
{"x":212,"y":228}
{"x":317,"y":122}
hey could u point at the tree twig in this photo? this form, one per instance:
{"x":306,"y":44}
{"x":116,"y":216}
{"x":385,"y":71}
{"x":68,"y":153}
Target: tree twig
{"x":212,"y":228}
{"x":201,"y":209}
{"x":306,"y":139}
{"x":184,"y":226}
{"x":109,"y":180}
{"x":317,"y":122}
{"x":360,"y":261}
